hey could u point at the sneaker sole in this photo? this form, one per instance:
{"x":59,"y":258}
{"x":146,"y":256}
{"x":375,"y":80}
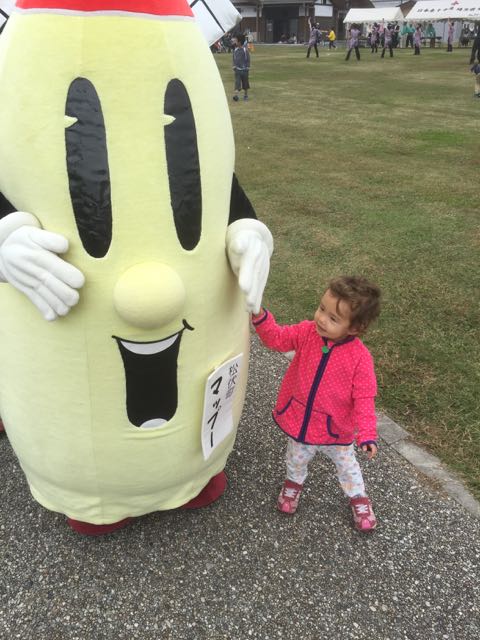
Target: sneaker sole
{"x":365,"y":530}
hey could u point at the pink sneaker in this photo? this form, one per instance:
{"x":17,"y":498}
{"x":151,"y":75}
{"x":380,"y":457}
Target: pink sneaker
{"x":289,"y":497}
{"x":363,"y":516}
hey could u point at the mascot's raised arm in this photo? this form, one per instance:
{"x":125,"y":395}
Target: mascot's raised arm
{"x":121,"y":220}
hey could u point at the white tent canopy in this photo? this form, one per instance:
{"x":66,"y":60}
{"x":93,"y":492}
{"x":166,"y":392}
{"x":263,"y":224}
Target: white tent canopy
{"x":430,"y":10}
{"x":389,"y":14}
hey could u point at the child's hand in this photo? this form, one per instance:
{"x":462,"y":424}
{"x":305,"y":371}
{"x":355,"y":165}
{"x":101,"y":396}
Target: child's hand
{"x":370,"y":449}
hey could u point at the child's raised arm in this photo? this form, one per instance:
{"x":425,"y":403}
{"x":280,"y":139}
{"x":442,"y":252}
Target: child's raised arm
{"x":278,"y":337}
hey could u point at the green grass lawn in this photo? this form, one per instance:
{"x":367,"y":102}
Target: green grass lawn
{"x":373,"y":168}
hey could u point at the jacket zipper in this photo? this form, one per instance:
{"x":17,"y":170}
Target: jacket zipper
{"x":313,"y":391}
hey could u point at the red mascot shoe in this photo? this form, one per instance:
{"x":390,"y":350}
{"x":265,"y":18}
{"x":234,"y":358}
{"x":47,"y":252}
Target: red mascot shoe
{"x":88,"y":529}
{"x":211,"y":492}
{"x":2,"y":428}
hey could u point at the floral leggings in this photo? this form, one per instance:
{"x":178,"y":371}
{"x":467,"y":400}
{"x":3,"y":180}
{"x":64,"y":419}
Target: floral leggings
{"x":348,"y":470}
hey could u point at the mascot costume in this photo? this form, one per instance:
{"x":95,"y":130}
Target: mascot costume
{"x":129,"y":257}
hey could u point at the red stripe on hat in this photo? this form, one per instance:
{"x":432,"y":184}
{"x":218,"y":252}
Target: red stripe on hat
{"x":153,"y":7}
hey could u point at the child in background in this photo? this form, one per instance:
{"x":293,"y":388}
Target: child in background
{"x":451,"y":31}
{"x":331,"y":39}
{"x":476,"y":70}
{"x":374,"y":38}
{"x":387,"y":41}
{"x":326,"y":399}
{"x":353,"y":42}
{"x":314,"y":38}
{"x":241,"y":66}
{"x":417,"y":40}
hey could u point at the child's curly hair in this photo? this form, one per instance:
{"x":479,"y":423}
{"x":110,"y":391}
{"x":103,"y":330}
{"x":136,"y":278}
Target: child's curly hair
{"x":361,"y":295}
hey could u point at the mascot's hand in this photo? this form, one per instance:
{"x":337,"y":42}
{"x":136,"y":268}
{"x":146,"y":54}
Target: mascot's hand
{"x":28,"y":261}
{"x":249,"y":247}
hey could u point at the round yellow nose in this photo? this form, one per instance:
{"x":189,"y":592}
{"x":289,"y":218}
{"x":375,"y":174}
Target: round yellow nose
{"x":149,"y":295}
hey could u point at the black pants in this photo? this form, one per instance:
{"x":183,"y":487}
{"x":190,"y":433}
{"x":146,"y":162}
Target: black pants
{"x":309,"y":49}
{"x":409,"y":40}
{"x":417,"y":50}
{"x":449,"y":47}
{"x":475,"y":52}
{"x":390,"y":49}
{"x":374,"y":47}
{"x":332,"y":45}
{"x":357,"y":53}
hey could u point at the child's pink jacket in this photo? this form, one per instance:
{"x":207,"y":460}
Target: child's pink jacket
{"x":327,"y":394}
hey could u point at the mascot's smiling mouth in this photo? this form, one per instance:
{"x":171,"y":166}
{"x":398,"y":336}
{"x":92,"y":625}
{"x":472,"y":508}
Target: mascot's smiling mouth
{"x":151,"y":379}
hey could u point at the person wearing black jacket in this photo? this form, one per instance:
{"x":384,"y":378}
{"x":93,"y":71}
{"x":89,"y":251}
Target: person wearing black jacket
{"x":475,"y":48}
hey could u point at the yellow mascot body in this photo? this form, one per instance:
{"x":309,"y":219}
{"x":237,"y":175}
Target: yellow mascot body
{"x":117,"y":135}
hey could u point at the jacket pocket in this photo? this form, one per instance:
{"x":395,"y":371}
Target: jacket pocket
{"x":319,"y":427}
{"x":289,"y":417}
{"x":330,"y":428}
{"x":285,"y":408}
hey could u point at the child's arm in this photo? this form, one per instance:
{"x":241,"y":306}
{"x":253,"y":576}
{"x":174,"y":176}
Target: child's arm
{"x":247,"y":57}
{"x":274,"y":336}
{"x":363,"y":394}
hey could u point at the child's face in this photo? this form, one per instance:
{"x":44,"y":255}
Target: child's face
{"x":333,"y":318}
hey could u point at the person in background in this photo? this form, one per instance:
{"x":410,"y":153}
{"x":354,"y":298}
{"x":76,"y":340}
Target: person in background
{"x":374,"y":38}
{"x":431,"y":34}
{"x":476,"y":93}
{"x":327,"y":397}
{"x":241,"y":66}
{"x":381,"y":33}
{"x":387,"y":41}
{"x":417,"y":40}
{"x":314,"y":38}
{"x":396,"y":36}
{"x":451,"y":29}
{"x":353,"y":42}
{"x":331,"y":39}
{"x":465,"y":36}
{"x":408,"y":30}
{"x":475,"y":48}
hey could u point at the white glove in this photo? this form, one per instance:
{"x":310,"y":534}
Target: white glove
{"x":249,"y":247}
{"x":28,"y":261}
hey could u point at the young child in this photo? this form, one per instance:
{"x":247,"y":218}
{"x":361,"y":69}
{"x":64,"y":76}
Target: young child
{"x":353,"y":42}
{"x":374,"y":38}
{"x":314,"y":38}
{"x":387,"y":41}
{"x":241,"y":67}
{"x":417,"y":40}
{"x":331,"y":39}
{"x":326,"y":399}
{"x":476,"y":70}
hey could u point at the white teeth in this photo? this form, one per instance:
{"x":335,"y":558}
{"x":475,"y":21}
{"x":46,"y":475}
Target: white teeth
{"x":149,"y":348}
{"x":152,"y":424}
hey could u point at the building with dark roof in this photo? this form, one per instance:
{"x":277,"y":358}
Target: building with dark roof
{"x":269,"y":20}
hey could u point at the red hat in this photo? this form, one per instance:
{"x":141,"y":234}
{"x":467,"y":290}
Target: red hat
{"x":148,"y":7}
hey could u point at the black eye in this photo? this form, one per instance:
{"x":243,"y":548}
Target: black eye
{"x":183,"y":165}
{"x":87,"y":165}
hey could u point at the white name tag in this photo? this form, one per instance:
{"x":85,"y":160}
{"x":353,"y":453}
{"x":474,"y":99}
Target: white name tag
{"x":217,"y":420}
